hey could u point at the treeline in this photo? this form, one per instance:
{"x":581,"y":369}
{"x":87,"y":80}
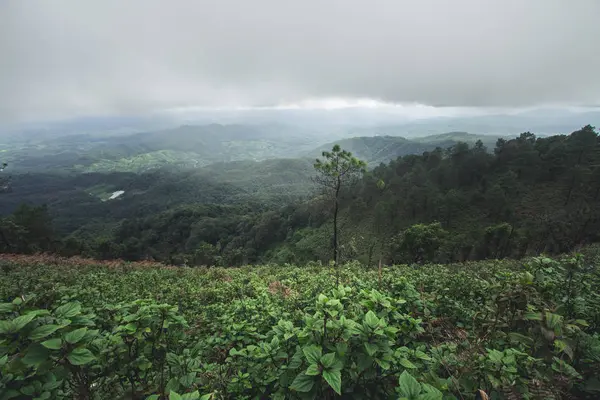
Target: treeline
{"x":526,"y":196}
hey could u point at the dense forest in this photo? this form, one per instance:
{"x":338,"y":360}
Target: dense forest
{"x":527,"y":195}
{"x":416,"y":279}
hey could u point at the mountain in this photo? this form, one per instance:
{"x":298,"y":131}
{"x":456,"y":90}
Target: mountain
{"x":187,"y":146}
{"x":382,"y":149}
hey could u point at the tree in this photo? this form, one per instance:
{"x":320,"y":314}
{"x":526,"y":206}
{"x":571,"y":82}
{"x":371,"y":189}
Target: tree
{"x":336,"y":170}
{"x":4,"y":180}
{"x":420,"y":242}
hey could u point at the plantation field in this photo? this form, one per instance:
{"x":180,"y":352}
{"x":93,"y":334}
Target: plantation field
{"x":74,"y":328}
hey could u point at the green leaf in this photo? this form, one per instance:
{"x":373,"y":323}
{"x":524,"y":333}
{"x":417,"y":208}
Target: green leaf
{"x":408,"y":386}
{"x":172,"y":384}
{"x":191,"y":396}
{"x":173,"y":360}
{"x":383,"y":363}
{"x":303,"y":383}
{"x":422,"y":356}
{"x":53,"y":344}
{"x":313,"y":370}
{"x":174,"y":396}
{"x":430,"y":393}
{"x":407,"y":364}
{"x":6,"y":327}
{"x":312,"y":353}
{"x":371,"y":319}
{"x":188,"y":379}
{"x":75,"y":336}
{"x":6,"y":307}
{"x":431,"y":396}
{"x":36,"y":354}
{"x":81,"y":356}
{"x":519,"y":338}
{"x":43,"y":331}
{"x":206,"y":396}
{"x":328,"y":360}
{"x":153,"y":397}
{"x":68,"y":310}
{"x":334,"y":379}
{"x":20,"y":322}
{"x":371,"y":348}
{"x":533,"y":316}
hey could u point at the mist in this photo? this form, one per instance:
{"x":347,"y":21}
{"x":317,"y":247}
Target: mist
{"x":64,"y":59}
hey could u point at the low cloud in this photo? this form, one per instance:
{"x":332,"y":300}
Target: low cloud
{"x":70,"y":58}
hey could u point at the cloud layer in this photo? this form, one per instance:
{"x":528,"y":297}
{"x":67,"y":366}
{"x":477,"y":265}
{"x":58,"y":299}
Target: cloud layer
{"x":65,"y":58}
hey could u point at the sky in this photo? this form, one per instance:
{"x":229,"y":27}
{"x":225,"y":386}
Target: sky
{"x":70,"y":58}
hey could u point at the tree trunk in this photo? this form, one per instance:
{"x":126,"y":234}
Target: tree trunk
{"x":335,"y":227}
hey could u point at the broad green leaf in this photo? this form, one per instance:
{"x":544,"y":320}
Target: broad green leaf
{"x":43,"y":331}
{"x":495,"y":355}
{"x":6,"y":327}
{"x":371,"y":319}
{"x":303,"y":383}
{"x":53,"y":344}
{"x":422,"y":356}
{"x":174,"y":395}
{"x":383,"y":363}
{"x":188,"y":379}
{"x":206,"y":396}
{"x":172,"y":359}
{"x":408,"y":386}
{"x":313,"y":370}
{"x":172,"y":385}
{"x":153,"y":397}
{"x":35,"y":355}
{"x":430,"y":393}
{"x":191,"y":396}
{"x":68,"y":310}
{"x":371,"y":348}
{"x":312,"y":353}
{"x":334,"y":379}
{"x":533,"y":316}
{"x":328,"y":360}
{"x":519,"y":338}
{"x":407,"y":364}
{"x":20,"y":322}
{"x":6,"y":307}
{"x":52,"y":383}
{"x":431,"y":396}
{"x":75,"y":336}
{"x":296,"y":360}
{"x":81,"y":356}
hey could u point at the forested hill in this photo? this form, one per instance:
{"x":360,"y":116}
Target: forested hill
{"x":525,"y":195}
{"x":382,"y":149}
{"x":529,"y":195}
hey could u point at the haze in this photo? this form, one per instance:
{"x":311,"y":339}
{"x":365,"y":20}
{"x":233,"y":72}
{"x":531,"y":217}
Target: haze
{"x":70,"y":58}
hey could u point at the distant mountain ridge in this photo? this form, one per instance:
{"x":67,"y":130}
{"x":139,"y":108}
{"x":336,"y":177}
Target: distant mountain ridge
{"x":382,"y":149}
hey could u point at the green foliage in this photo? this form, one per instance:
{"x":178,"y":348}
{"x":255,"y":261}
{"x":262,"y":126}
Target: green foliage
{"x":73,"y":329}
{"x":335,"y":171}
{"x":420,"y":242}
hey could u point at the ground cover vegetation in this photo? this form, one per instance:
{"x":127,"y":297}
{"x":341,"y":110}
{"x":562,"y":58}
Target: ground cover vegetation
{"x":76,"y":328}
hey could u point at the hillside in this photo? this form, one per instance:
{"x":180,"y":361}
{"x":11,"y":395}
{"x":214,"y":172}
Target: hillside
{"x":382,"y":149}
{"x":183,"y":147}
{"x":438,"y":332}
{"x":467,"y":202}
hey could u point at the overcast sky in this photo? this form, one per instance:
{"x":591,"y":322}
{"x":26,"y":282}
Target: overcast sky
{"x":73,"y":58}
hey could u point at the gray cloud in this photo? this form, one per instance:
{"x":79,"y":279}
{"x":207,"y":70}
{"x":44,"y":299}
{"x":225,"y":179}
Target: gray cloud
{"x":65,"y":58}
